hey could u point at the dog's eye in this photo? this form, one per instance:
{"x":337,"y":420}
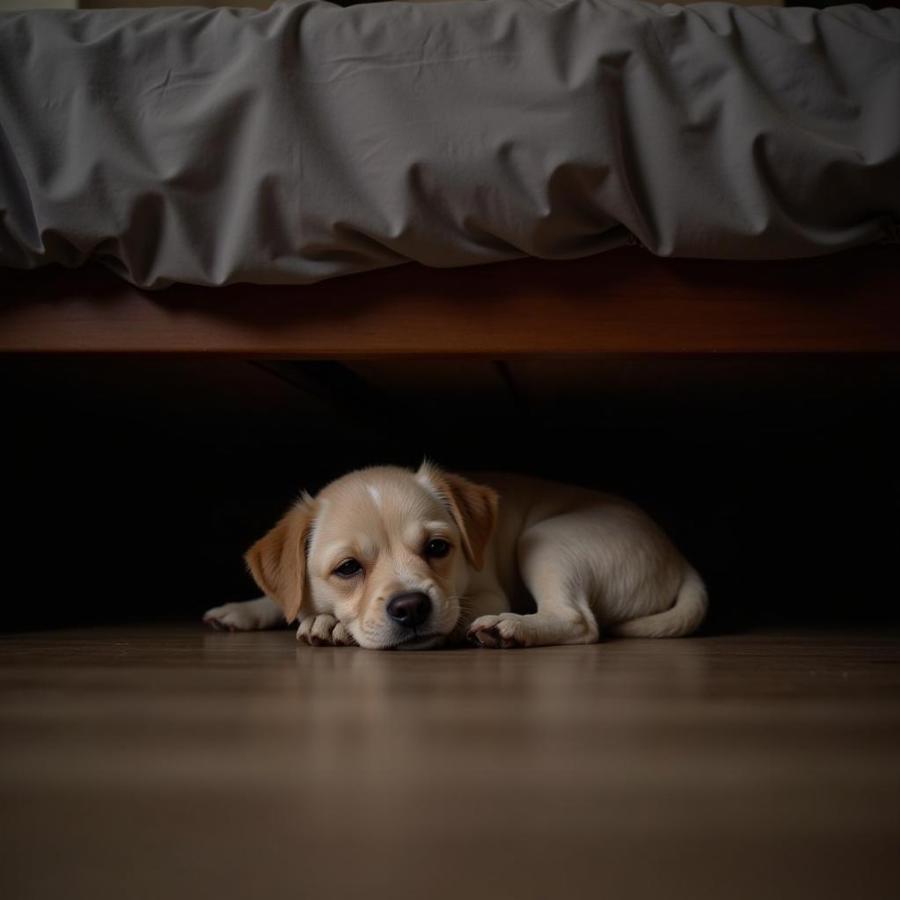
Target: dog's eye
{"x":437,"y":549}
{"x":348,"y":568}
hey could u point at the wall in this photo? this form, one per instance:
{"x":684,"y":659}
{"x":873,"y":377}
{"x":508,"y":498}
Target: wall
{"x":132,"y":486}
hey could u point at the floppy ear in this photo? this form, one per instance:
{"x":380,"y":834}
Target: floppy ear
{"x":473,"y":506}
{"x":277,"y":561}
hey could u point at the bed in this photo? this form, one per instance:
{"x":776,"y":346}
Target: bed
{"x":488,"y":179}
{"x":623,"y":301}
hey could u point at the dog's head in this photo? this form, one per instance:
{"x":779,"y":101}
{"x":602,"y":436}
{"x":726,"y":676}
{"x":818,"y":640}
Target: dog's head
{"x":387,"y":551}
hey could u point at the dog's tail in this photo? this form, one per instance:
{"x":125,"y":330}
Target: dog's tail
{"x":683,"y":617}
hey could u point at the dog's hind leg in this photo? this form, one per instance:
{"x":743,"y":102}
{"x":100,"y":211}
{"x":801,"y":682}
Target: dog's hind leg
{"x":563,"y":615}
{"x":254,"y":615}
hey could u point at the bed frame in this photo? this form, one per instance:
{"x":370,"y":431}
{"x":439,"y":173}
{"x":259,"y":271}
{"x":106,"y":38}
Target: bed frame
{"x":622,"y":301}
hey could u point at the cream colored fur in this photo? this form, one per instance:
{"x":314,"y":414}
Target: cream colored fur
{"x":530,"y":563}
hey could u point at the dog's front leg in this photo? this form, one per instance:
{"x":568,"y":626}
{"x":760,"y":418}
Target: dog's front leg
{"x":251,"y":615}
{"x":323,"y":631}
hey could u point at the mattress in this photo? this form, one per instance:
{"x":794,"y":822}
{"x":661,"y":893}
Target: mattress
{"x":311,"y":140}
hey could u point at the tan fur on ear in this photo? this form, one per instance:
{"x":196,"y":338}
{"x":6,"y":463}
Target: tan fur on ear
{"x":474,"y":507}
{"x":277,"y":561}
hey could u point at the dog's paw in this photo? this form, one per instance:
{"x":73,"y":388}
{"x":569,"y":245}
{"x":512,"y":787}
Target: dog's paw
{"x":324,"y":631}
{"x":249,"y":616}
{"x":505,"y":631}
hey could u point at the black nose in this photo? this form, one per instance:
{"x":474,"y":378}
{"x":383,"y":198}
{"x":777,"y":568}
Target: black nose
{"x":410,"y":609}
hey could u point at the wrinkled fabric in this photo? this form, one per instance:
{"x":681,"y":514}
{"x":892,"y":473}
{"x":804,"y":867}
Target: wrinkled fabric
{"x":307,"y":141}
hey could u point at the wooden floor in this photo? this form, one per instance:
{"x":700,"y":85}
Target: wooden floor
{"x":171,"y":762}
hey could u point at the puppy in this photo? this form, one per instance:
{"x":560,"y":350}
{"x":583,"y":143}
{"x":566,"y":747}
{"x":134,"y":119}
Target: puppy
{"x":388,"y":558}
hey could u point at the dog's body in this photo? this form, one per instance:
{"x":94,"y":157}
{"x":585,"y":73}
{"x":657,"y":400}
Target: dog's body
{"x":390,"y":558}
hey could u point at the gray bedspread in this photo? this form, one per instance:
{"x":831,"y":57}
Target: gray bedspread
{"x":310,"y":140}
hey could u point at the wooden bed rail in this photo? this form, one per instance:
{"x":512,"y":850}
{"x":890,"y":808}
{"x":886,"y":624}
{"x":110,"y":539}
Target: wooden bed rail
{"x":623,"y":301}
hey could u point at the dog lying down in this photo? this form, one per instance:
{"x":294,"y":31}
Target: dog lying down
{"x":388,"y":558}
